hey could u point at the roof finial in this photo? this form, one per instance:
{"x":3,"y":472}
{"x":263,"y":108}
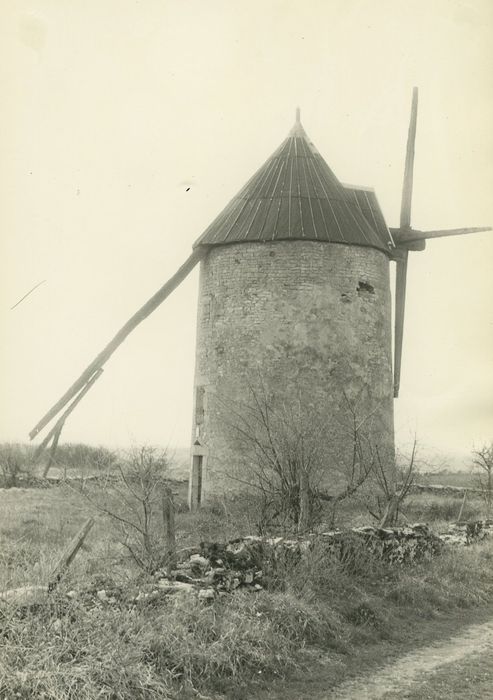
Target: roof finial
{"x":297,"y":129}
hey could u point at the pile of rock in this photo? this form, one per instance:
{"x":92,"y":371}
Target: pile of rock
{"x":215,"y":569}
{"x":466,"y":533}
{"x":397,"y":545}
{"x":219,"y":568}
{"x":252,"y":563}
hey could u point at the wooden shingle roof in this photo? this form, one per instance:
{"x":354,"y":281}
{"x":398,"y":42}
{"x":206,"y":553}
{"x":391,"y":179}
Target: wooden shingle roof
{"x":295,"y":195}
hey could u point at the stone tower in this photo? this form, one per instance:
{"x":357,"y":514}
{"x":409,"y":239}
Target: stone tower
{"x":294,"y":294}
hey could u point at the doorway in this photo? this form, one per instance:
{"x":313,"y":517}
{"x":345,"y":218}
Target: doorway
{"x":195,"y":497}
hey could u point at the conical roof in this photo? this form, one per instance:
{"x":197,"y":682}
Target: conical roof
{"x":295,"y":195}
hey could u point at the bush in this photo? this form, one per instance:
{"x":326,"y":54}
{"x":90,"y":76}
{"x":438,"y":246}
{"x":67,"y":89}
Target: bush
{"x":85,"y":457}
{"x":221,"y":518}
{"x":14,"y":464}
{"x":133,"y":500}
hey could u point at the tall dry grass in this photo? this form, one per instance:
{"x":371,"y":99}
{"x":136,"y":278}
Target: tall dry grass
{"x":175,"y":647}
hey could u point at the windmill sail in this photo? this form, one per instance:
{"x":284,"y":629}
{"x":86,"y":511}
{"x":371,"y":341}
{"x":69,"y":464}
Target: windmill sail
{"x":405,"y":223}
{"x":412,"y":235}
{"x":407,"y":239}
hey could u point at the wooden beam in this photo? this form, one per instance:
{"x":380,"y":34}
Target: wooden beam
{"x":70,"y":552}
{"x":407,"y":187}
{"x":415,"y":245}
{"x":400,"y":302}
{"x":57,"y":428}
{"x":118,"y":339}
{"x":459,"y":517}
{"x":168,"y":507}
{"x":411,"y":235}
{"x":53,"y":449}
{"x":30,"y":594}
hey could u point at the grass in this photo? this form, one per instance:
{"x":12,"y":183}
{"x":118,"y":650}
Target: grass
{"x":432,"y":508}
{"x":160,"y":652}
{"x":35,"y":527}
{"x":173,"y":648}
{"x":435,"y":509}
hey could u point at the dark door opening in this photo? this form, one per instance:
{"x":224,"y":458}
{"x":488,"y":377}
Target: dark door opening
{"x":196,"y":481}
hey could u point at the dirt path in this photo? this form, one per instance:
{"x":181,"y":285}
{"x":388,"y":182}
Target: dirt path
{"x":401,"y":677}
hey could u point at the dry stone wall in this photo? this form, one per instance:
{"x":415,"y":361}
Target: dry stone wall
{"x":220,"y":568}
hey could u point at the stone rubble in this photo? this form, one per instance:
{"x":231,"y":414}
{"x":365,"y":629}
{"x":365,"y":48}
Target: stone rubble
{"x":219,"y":568}
{"x":216,"y":569}
{"x":466,"y":533}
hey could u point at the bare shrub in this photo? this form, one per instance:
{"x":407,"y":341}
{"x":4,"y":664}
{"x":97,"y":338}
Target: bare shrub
{"x":292,"y":456}
{"x":483,"y":471}
{"x":14,"y":464}
{"x":390,"y":494}
{"x":135,"y":499}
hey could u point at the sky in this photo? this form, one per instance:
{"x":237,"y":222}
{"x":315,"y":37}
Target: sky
{"x":127,"y":126}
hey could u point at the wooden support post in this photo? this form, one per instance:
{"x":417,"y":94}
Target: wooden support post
{"x":57,"y":428}
{"x":84,"y":380}
{"x":53,"y":447}
{"x":459,"y":517}
{"x":195,"y":482}
{"x":169,"y":528}
{"x":70,"y":552}
{"x":400,"y":304}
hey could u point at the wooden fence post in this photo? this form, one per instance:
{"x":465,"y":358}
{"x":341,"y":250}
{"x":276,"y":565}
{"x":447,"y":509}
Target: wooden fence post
{"x":70,"y":552}
{"x":169,"y":527}
{"x":462,"y":506}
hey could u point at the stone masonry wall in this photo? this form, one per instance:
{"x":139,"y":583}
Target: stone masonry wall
{"x":307,"y":320}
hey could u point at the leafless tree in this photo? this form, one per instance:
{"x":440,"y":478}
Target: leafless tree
{"x":391,"y":493}
{"x":483,"y":469}
{"x":290,"y":454}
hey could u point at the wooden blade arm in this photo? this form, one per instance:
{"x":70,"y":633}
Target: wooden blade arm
{"x":400,"y":301}
{"x":134,"y":321}
{"x":407,"y":187}
{"x":410,"y":235}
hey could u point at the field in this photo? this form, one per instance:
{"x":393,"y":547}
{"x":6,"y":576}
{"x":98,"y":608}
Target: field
{"x":446,"y":478}
{"x":317,"y":615}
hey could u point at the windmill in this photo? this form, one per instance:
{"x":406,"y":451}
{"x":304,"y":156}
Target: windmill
{"x":292,"y":221}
